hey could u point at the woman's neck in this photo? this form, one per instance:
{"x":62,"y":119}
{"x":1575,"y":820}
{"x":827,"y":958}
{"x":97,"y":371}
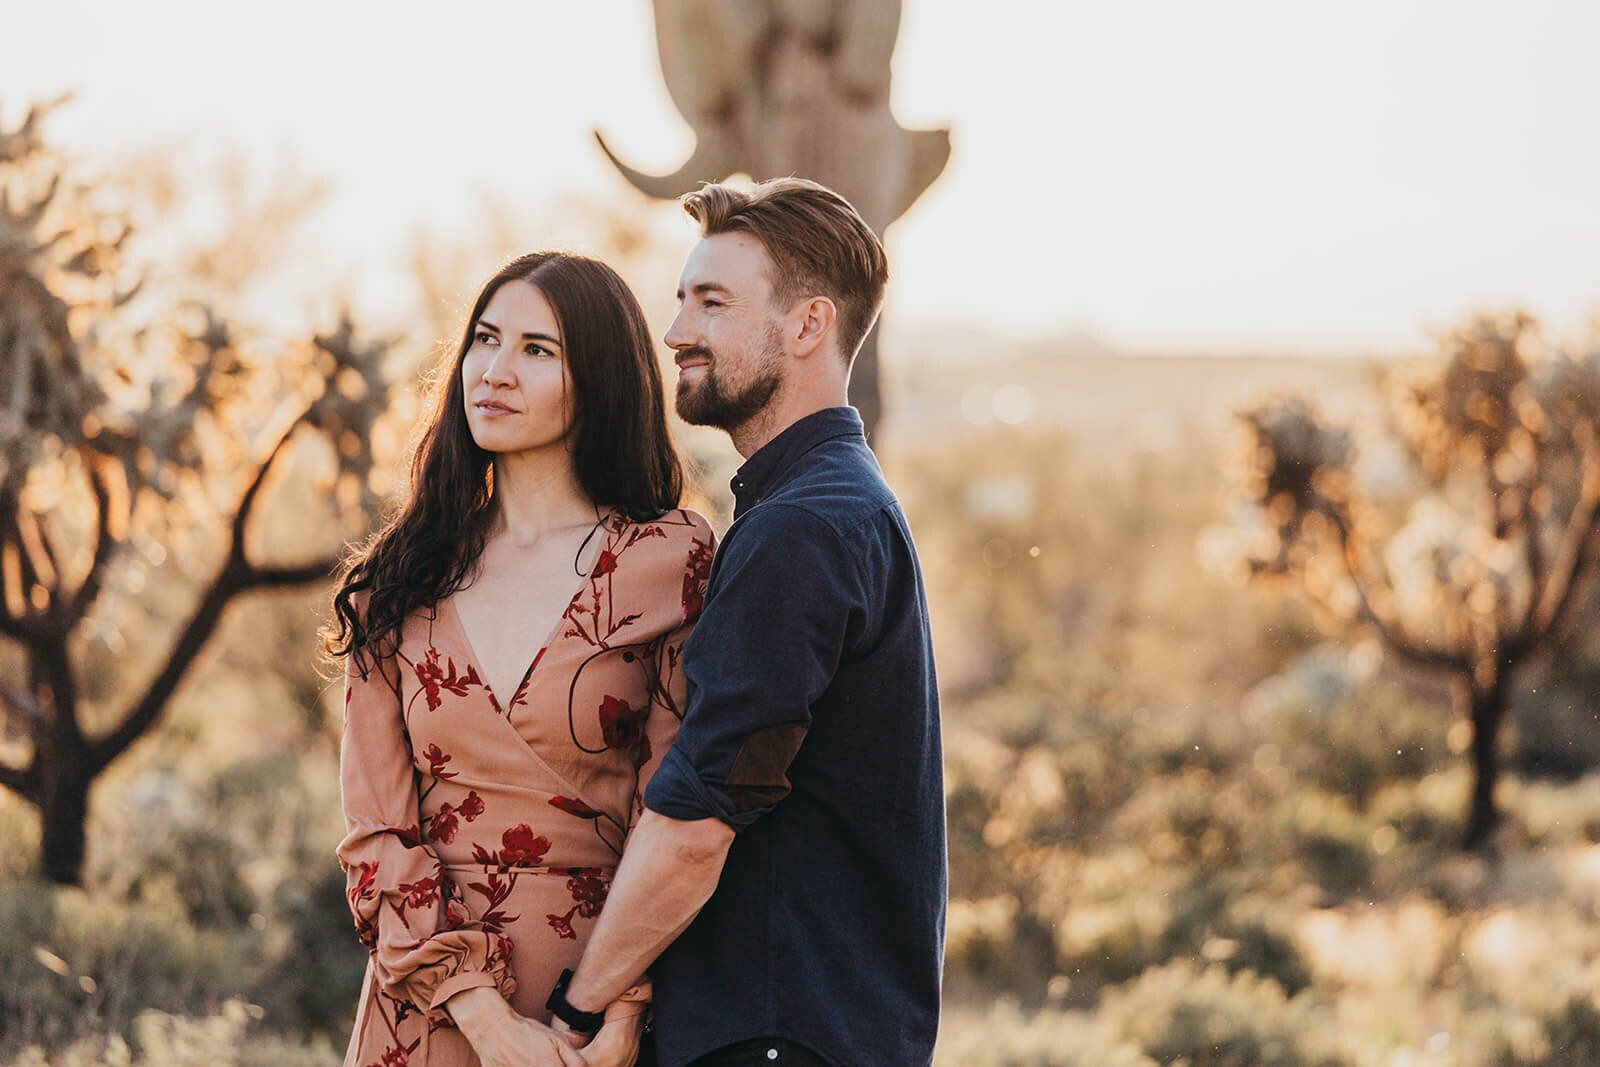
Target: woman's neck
{"x":537,"y":492}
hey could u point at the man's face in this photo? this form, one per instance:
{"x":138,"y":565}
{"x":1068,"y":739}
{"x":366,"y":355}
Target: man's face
{"x":728,"y":335}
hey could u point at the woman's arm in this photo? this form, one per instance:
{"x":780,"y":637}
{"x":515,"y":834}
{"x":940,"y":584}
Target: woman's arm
{"x":397,"y":889}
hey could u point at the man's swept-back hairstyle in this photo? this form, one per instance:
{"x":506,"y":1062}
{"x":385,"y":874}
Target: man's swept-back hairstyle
{"x":818,"y":243}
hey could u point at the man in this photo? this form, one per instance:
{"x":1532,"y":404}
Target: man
{"x":789,"y":869}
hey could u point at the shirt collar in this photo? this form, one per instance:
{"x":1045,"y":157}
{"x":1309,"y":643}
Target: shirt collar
{"x":762,"y":471}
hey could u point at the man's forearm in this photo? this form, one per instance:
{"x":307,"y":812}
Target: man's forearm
{"x":667,"y":874}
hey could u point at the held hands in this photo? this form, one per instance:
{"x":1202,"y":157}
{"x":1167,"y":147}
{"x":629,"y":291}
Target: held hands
{"x":502,"y":1038}
{"x":617,"y":1043}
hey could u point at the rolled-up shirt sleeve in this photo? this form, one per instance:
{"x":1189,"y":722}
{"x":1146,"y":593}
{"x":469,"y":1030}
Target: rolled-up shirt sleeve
{"x":784,"y":606}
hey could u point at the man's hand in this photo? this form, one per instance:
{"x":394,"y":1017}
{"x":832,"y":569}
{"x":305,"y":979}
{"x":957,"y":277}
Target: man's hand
{"x":502,"y":1038}
{"x":573,"y":1037}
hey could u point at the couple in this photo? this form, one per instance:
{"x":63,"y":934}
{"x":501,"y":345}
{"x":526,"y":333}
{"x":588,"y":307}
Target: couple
{"x":557,"y":699}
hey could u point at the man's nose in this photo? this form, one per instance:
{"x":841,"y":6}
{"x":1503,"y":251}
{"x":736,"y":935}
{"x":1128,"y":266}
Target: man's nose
{"x":678,"y":334}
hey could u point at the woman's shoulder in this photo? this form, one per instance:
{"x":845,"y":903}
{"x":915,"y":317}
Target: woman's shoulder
{"x":678,"y":527}
{"x":666,"y":558}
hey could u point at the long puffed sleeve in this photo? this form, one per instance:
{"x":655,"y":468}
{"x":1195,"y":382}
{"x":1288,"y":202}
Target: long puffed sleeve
{"x":424,"y":948}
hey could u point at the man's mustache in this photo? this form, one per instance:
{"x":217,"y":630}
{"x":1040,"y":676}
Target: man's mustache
{"x":692,"y":353}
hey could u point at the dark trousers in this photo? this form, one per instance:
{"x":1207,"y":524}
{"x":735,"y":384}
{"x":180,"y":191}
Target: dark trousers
{"x":760,"y":1053}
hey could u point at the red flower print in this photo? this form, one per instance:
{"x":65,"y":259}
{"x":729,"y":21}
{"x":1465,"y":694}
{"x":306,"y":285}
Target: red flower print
{"x":605,"y":564}
{"x":436,"y":762}
{"x":503,"y":946}
{"x":472,"y":807}
{"x":562,"y":925}
{"x":619,"y":723}
{"x":589,"y":889}
{"x":421,"y":893}
{"x":363,"y":890}
{"x":397,"y":1057}
{"x":643,"y":533}
{"x":694,"y":582}
{"x":442,"y":827}
{"x":574,"y":807}
{"x":520,"y":846}
{"x":434,"y":678}
{"x":644,"y":752}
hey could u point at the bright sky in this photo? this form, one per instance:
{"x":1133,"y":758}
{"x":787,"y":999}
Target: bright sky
{"x":1235,"y":174}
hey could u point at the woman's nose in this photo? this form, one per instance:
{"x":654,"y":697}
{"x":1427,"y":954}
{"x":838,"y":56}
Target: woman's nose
{"x":498,"y":371}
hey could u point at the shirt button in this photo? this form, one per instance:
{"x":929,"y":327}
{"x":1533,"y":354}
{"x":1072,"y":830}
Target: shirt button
{"x":772,"y":1053}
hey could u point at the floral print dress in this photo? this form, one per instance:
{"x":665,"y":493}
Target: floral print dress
{"x":483,"y":831}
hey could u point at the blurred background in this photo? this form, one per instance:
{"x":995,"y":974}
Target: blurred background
{"x":1239,"y":375}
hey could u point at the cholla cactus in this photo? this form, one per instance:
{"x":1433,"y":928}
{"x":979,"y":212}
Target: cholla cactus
{"x":1486,"y":567}
{"x":111,"y":433}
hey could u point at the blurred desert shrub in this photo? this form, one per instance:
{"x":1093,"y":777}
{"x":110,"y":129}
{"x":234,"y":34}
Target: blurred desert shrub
{"x":212,"y":927}
{"x":1176,"y":1014}
{"x":1187,"y":828}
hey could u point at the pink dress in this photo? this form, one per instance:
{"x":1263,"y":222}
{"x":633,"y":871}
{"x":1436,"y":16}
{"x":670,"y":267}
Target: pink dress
{"x":483,"y":832}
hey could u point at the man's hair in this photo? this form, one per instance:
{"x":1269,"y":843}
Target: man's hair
{"x":819,"y":245}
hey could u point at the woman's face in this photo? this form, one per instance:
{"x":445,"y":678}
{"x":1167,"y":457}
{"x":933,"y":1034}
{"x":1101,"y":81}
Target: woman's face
{"x":514,"y":378}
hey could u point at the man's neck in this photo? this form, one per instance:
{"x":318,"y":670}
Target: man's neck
{"x":786,"y":409}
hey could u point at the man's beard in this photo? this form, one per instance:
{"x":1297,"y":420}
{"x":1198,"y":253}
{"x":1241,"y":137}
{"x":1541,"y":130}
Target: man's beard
{"x":710,"y":402}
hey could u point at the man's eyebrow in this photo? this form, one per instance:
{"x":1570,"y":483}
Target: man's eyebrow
{"x":702,"y":288}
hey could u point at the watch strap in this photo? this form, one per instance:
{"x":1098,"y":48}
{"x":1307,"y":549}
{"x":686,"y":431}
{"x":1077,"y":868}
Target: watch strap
{"x":585,"y":1022}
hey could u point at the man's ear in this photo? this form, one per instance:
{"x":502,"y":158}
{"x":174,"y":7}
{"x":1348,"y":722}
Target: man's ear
{"x":817,"y":317}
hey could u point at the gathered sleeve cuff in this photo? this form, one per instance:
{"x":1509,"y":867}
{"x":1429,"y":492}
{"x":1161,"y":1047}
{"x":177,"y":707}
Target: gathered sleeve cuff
{"x":424,"y":947}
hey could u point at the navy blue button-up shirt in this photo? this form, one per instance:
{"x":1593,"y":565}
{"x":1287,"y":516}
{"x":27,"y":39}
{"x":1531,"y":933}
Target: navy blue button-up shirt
{"x":812,"y":729}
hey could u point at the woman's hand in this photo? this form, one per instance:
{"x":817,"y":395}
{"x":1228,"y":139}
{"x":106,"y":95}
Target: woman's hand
{"x":502,"y":1038}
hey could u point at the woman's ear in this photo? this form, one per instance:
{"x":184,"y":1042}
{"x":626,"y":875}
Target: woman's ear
{"x":817,"y":316}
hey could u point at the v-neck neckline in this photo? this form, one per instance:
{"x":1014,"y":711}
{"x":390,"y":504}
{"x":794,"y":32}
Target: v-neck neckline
{"x":550,"y":637}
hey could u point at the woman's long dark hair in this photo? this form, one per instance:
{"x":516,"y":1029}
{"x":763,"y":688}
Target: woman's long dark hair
{"x":623,"y":455}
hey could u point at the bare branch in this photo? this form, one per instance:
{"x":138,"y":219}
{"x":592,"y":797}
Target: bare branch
{"x":241,"y":516}
{"x":23,"y":627}
{"x":104,"y":543}
{"x":280,"y":577}
{"x":18,"y":780}
{"x":237,"y":576}
{"x":1571,"y":560}
{"x":1390,"y":631}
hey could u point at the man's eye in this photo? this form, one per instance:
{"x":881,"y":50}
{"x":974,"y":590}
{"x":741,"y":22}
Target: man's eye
{"x":713,"y":303}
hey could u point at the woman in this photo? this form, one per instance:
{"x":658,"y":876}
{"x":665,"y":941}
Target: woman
{"x":512,"y":644}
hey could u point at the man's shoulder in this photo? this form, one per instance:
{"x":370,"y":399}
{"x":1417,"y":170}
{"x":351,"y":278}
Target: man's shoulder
{"x":838,"y":483}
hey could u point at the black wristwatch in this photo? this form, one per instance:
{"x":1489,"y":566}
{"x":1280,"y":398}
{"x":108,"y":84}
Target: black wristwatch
{"x":585,"y":1022}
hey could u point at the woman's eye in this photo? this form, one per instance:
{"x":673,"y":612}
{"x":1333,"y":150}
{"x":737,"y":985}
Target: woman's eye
{"x":484,"y":337}
{"x":539,"y":350}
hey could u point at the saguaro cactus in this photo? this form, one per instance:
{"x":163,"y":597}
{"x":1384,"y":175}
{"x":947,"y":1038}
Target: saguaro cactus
{"x":775,"y":87}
